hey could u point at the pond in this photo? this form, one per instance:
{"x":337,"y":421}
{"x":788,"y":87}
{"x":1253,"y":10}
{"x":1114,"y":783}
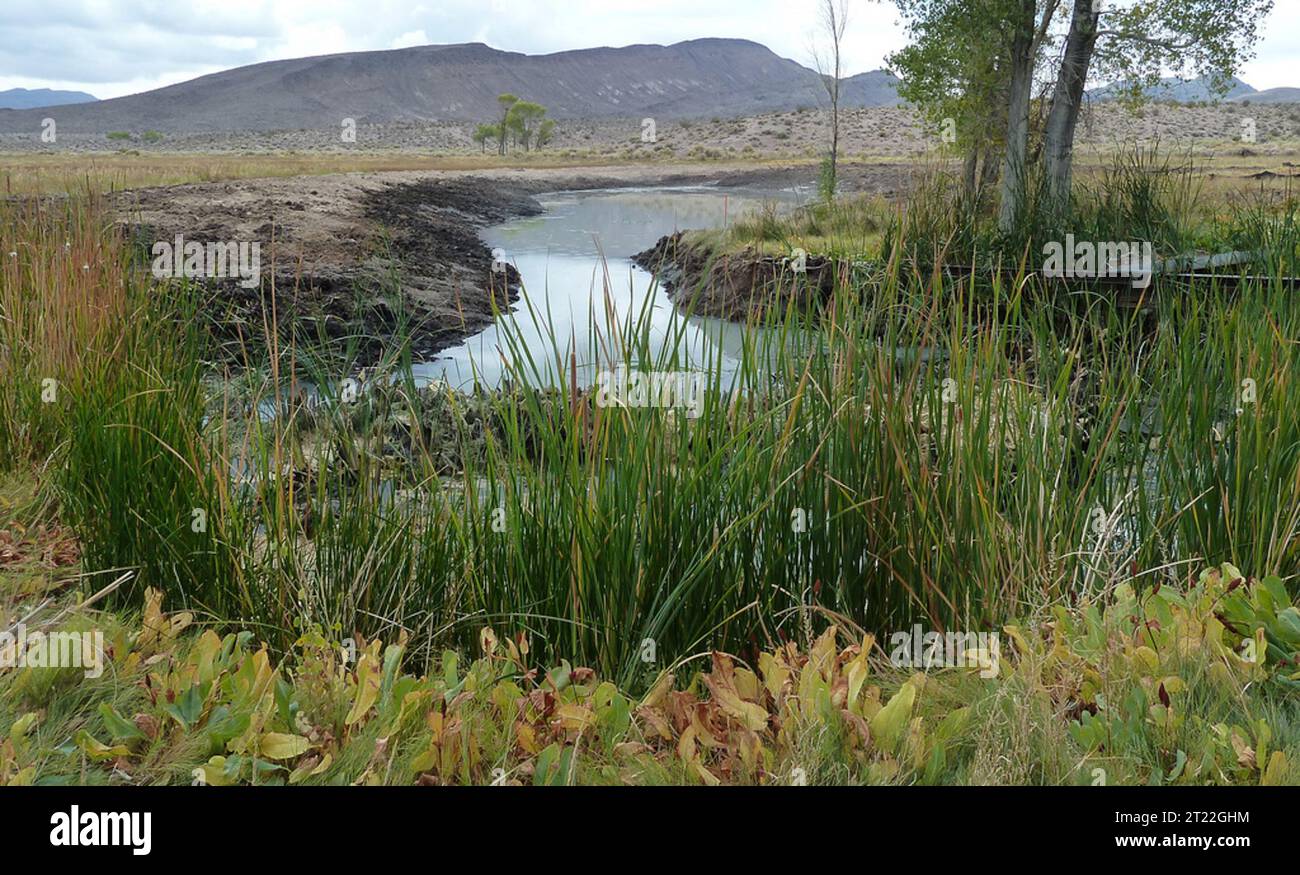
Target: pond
{"x":580,"y":284}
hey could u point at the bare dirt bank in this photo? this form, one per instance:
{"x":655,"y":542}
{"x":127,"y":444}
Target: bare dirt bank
{"x":734,"y":285}
{"x":346,"y":253}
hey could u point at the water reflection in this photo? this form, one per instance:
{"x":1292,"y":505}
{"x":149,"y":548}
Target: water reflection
{"x":581,"y":285}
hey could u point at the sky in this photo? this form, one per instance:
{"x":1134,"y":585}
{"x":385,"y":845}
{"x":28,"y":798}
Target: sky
{"x":114,"y":47}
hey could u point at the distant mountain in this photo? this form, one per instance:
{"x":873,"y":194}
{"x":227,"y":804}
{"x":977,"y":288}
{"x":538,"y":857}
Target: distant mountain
{"x":705,"y":77}
{"x":23,"y":98}
{"x":1271,"y":95}
{"x":877,"y":88}
{"x":1182,"y":91}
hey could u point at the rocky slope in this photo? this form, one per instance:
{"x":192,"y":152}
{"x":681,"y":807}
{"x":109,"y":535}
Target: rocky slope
{"x":698,"y":78}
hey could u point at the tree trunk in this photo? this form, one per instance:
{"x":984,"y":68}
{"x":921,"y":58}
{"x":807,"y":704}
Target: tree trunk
{"x":1014,"y":169}
{"x":991,"y":171}
{"x":1067,"y":101}
{"x":970,"y":172}
{"x":835,"y":129}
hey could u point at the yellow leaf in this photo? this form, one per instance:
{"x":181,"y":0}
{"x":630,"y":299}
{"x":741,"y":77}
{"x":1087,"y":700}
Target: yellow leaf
{"x":157,"y":628}
{"x":213,"y":772}
{"x":822,"y":654}
{"x":775,"y":673}
{"x":750,"y":715}
{"x":97,"y":750}
{"x":706,"y":776}
{"x":1275,"y":774}
{"x":1018,"y":638}
{"x":1147,"y":657}
{"x":857,"y":676}
{"x":283,"y":746}
{"x":686,"y":749}
{"x":205,"y":653}
{"x":701,"y":731}
{"x":575,"y":718}
{"x":23,"y":725}
{"x":367,"y":687}
{"x":310,"y":768}
{"x":747,"y":685}
{"x":527,"y":739}
{"x":426,"y":760}
{"x":658,"y":691}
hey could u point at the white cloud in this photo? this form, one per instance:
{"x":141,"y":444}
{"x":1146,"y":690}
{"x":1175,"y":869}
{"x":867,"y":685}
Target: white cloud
{"x":410,"y":38}
{"x":115,"y":47}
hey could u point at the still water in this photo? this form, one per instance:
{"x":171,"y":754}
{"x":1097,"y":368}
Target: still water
{"x":580,"y":286}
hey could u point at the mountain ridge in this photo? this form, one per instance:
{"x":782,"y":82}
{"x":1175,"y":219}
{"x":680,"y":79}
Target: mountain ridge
{"x":1179,"y":90}
{"x":460,"y":82}
{"x":38,"y":98}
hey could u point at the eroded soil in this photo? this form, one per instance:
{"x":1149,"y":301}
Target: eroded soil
{"x":351,"y":255}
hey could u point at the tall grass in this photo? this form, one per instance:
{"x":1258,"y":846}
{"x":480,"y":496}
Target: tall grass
{"x":954,"y":454}
{"x":63,"y":302}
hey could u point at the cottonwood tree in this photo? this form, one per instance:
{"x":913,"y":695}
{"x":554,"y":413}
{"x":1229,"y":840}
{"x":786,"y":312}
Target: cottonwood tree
{"x":523,"y":120}
{"x":545,"y":132}
{"x":1135,"y":41}
{"x":484,"y":134}
{"x":834,"y":18}
{"x":954,"y":72}
{"x":1028,"y":23}
{"x":974,"y":61}
{"x":505,"y":102}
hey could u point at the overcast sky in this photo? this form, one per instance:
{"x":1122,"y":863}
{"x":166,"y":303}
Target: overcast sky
{"x":115,"y":47}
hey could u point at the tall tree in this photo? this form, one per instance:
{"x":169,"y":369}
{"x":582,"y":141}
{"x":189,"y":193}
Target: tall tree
{"x":1133,"y":41}
{"x":1020,"y":85}
{"x":974,"y":61}
{"x":485,"y":133}
{"x":545,"y":132}
{"x":523,"y":120}
{"x":829,"y":60}
{"x":1136,"y":42}
{"x":505,"y":102}
{"x":960,"y":92}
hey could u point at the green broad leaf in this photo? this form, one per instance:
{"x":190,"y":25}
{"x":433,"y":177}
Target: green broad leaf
{"x":119,"y":728}
{"x":888,"y":725}
{"x":1180,"y":763}
{"x":187,"y":708}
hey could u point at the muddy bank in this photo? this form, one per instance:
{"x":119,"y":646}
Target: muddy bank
{"x":347,"y":259}
{"x":735,"y":285}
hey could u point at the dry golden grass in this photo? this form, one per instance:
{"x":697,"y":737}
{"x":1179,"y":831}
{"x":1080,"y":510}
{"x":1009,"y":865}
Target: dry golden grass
{"x":1225,"y":168}
{"x":41,"y":174}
